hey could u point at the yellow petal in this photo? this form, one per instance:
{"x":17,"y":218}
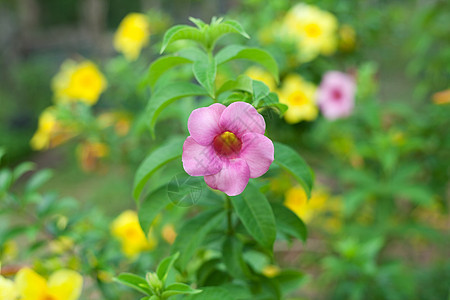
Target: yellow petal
{"x":31,"y":286}
{"x":8,"y":290}
{"x":65,"y":285}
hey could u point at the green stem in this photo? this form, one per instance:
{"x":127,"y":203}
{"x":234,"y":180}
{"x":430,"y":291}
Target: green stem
{"x":229,"y":215}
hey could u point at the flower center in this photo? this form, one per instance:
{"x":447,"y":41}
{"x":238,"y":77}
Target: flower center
{"x":297,"y":98}
{"x":227,"y":144}
{"x":336,"y":95}
{"x":313,"y":30}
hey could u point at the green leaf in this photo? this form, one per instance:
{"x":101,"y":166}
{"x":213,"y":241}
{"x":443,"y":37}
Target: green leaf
{"x":199,"y":23}
{"x":255,"y":212}
{"x":242,"y":83}
{"x":192,"y":53}
{"x":38,"y":179}
{"x":218,"y":30}
{"x":271,"y":101}
{"x":288,"y":222}
{"x":181,"y":32}
{"x":233,"y":259}
{"x":290,"y":280}
{"x":6,"y":179}
{"x":205,"y":73}
{"x":260,"y":91}
{"x":2,"y":153}
{"x":179,"y":289}
{"x":165,"y":265}
{"x":227,"y":53}
{"x":212,"y":292}
{"x":193,"y":232}
{"x":155,"y":160}
{"x":168,"y":94}
{"x":22,"y":169}
{"x":163,"y":64}
{"x":293,"y":163}
{"x":256,"y":55}
{"x":150,"y":207}
{"x":134,"y":281}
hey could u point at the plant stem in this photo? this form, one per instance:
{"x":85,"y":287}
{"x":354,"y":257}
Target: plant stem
{"x":229,"y":215}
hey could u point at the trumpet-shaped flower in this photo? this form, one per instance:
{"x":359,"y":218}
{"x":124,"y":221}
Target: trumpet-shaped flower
{"x":51,"y":132}
{"x":313,"y":29}
{"x":227,"y":146}
{"x":319,"y":206}
{"x":127,"y":230}
{"x":256,"y":73}
{"x":8,"y":290}
{"x":61,"y":285}
{"x":168,"y":233}
{"x":78,"y":82}
{"x":336,"y":95}
{"x":89,"y":154}
{"x":132,"y":35}
{"x":299,"y":96}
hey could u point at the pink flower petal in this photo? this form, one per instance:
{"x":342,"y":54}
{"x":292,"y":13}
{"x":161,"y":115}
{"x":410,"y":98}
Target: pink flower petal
{"x":257,"y":150}
{"x":336,"y":95}
{"x":232,"y":179}
{"x":203,"y":123}
{"x":199,"y":160}
{"x":240,"y":118}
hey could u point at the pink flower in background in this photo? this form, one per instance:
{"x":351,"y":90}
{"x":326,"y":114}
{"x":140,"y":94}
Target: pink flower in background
{"x":227,"y":145}
{"x":336,"y":95}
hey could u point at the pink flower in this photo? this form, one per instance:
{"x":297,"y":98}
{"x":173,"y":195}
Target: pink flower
{"x":227,"y":145}
{"x":336,"y":95}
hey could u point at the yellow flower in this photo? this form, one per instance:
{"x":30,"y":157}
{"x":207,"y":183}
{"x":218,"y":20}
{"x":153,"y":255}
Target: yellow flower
{"x":127,"y":230}
{"x":50,"y":132}
{"x":297,"y":201}
{"x":256,"y":73}
{"x":120,"y":120}
{"x":61,"y":244}
{"x":168,"y":233}
{"x":442,"y":97}
{"x":9,"y":251}
{"x":299,"y":96}
{"x":132,"y":35}
{"x":8,"y":290}
{"x":347,"y":36}
{"x":313,"y":29}
{"x":78,"y":82}
{"x":89,"y":154}
{"x":271,"y":271}
{"x":61,"y":285}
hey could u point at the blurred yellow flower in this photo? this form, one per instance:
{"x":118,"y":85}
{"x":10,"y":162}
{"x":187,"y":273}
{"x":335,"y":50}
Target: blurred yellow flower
{"x":61,"y":244}
{"x":62,"y":285}
{"x":78,"y":82}
{"x":120,"y":120}
{"x":320,"y":206}
{"x":347,"y":38}
{"x":271,"y":271}
{"x":299,"y":96}
{"x":90,"y":153}
{"x":8,"y":290}
{"x":257,"y":73}
{"x":168,"y":233}
{"x":442,"y":97}
{"x":50,"y":132}
{"x":9,"y":251}
{"x":297,"y":201}
{"x":132,"y":35}
{"x":313,"y":29}
{"x":127,"y":230}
